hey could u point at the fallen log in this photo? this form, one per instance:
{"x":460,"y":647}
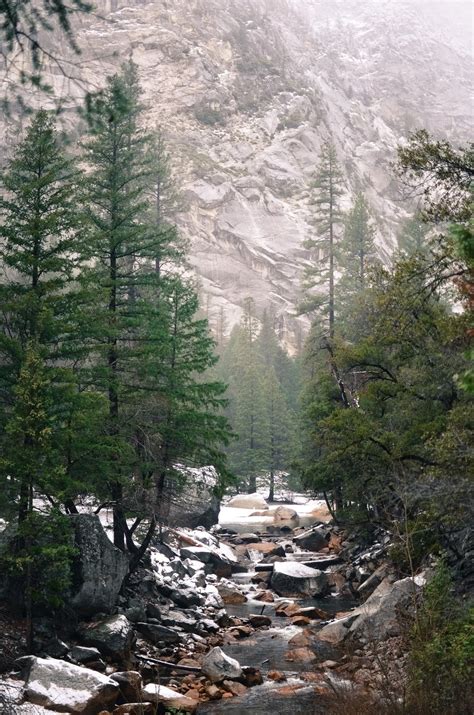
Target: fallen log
{"x":167,"y":664}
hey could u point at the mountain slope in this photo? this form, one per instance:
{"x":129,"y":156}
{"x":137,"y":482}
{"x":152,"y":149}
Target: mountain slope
{"x":247,"y":90}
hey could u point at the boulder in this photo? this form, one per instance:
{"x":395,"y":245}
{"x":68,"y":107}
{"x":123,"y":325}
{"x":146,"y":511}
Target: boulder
{"x":80,"y":654}
{"x":155,"y":693}
{"x":287,"y":516}
{"x":65,"y":687}
{"x":379,"y":617}
{"x":290,"y":578}
{"x":247,"y":501}
{"x":218,"y":666}
{"x":98,"y":569}
{"x":258,"y":621}
{"x":113,"y":636}
{"x":214,"y":562}
{"x":130,"y":684}
{"x":196,"y":503}
{"x":230,"y":593}
{"x":300,"y":655}
{"x":156,"y":633}
{"x":312,"y":540}
{"x":267,"y":548}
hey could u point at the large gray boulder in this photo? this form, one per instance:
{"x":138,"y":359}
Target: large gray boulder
{"x":218,"y":666}
{"x":65,"y":687}
{"x":379,"y":617}
{"x":99,"y":568}
{"x":312,"y":540}
{"x":112,"y":636}
{"x":290,"y":578}
{"x":194,"y":502}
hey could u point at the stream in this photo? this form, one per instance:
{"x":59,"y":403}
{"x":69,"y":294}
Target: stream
{"x":266,"y":649}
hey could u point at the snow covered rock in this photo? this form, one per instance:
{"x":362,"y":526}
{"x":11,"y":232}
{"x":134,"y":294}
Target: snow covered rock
{"x":65,"y":687}
{"x":219,"y":666}
{"x":247,"y":501}
{"x":290,"y":578}
{"x":155,"y":693}
{"x":112,"y":636}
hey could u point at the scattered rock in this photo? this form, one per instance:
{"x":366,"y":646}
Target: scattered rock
{"x":277,"y":676}
{"x":300,"y":620}
{"x":285,"y":514}
{"x":313,"y":613}
{"x":312,"y":540}
{"x":156,"y":633}
{"x":251,"y":676}
{"x":378,"y":617}
{"x":265,"y":596}
{"x":267,"y":548}
{"x":300,"y":655}
{"x":135,"y":709}
{"x":170,"y":698}
{"x":214,"y":692}
{"x":234,"y":687}
{"x":290,"y":578}
{"x":230,"y":593}
{"x":130,"y":684}
{"x":258,"y":621}
{"x":80,"y":654}
{"x":66,"y":687}
{"x":113,"y":636}
{"x":218,"y":666}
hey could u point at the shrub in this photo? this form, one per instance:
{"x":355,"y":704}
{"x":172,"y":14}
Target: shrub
{"x":442,"y":652}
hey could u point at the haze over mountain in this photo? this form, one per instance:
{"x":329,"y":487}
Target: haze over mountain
{"x":246,"y":91}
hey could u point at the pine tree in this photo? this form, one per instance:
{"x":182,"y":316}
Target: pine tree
{"x":41,"y":254}
{"x":280,"y":439}
{"x":122,"y":247}
{"x":321,"y":274}
{"x":412,"y":237}
{"x":356,"y":255}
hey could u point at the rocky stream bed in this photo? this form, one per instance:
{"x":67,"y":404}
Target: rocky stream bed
{"x":232,"y":620}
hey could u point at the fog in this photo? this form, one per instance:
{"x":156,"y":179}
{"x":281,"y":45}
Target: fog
{"x":452,"y":19}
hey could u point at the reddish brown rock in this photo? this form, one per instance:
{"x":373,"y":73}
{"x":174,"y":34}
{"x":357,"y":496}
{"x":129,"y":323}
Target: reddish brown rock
{"x":300,"y":655}
{"x":277,"y":676}
{"x":301,"y":640}
{"x":300,"y":620}
{"x":251,"y":676}
{"x":266,"y":596}
{"x":234,"y":687}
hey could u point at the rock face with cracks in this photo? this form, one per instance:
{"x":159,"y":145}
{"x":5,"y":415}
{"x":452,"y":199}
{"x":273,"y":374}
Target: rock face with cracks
{"x":99,"y":568}
{"x":247,"y":92}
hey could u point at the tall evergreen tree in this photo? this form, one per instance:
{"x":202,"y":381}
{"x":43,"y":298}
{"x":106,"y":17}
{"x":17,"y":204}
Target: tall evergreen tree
{"x":356,"y":255}
{"x":320,"y":278}
{"x":122,"y":247}
{"x":41,"y":252}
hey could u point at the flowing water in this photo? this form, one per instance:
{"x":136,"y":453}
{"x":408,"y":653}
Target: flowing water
{"x":266,"y":649}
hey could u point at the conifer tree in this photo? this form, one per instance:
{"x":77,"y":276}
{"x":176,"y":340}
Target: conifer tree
{"x":41,"y":252}
{"x":356,"y":255}
{"x":321,"y":274}
{"x":122,"y":247}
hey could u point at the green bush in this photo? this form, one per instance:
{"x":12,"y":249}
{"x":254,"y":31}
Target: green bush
{"x":38,"y":560}
{"x":442,"y":652}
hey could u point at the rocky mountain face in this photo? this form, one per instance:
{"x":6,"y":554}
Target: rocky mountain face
{"x":246,"y":91}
